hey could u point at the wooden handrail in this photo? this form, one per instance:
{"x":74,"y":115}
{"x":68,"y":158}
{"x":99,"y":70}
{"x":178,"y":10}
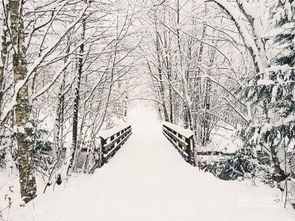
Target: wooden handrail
{"x":112,"y":142}
{"x":182,"y":140}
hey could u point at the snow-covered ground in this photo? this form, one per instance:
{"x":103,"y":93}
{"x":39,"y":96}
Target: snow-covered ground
{"x":147,"y":180}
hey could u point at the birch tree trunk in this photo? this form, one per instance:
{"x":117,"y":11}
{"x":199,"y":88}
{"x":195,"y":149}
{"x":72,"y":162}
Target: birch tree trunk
{"x":22,"y":108}
{"x":3,"y":51}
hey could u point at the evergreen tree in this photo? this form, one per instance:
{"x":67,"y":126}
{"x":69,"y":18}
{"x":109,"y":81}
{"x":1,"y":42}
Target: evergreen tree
{"x":273,"y":92}
{"x":283,"y":19}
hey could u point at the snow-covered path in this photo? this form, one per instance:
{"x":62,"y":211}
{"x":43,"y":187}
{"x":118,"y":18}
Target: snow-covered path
{"x":147,"y":180}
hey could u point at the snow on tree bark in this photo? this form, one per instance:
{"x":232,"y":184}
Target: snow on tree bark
{"x":75,"y":144}
{"x":4,"y":50}
{"x":22,"y":108}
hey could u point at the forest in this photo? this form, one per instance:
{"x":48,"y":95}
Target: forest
{"x":72,"y":70}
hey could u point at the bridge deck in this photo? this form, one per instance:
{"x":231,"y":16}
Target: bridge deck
{"x":147,"y":180}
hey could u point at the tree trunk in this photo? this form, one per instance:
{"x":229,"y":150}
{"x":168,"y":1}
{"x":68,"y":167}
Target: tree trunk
{"x":77,"y":99}
{"x":207,"y":100}
{"x":206,"y":116}
{"x":167,"y":57}
{"x":3,"y":52}
{"x":23,"y":108}
{"x":200,"y":94}
{"x":278,"y":174}
{"x":187,"y":118}
{"x":159,"y":68}
{"x":60,"y":151}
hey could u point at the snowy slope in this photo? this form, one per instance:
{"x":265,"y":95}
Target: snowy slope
{"x":147,"y":180}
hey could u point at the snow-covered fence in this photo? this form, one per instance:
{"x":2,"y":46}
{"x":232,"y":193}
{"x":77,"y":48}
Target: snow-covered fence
{"x":112,"y":140}
{"x":182,"y":139}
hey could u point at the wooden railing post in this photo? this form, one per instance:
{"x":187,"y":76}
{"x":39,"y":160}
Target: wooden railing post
{"x":102,"y":149}
{"x":191,"y":147}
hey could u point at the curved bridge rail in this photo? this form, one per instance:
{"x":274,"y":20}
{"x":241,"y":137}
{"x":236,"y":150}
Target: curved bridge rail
{"x":182,"y":140}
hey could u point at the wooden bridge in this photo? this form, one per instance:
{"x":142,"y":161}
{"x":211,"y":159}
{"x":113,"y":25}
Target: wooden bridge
{"x":182,"y":139}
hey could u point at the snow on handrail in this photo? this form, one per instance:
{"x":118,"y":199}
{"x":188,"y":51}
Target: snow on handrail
{"x":182,"y":139}
{"x":184,"y":132}
{"x":108,"y":133}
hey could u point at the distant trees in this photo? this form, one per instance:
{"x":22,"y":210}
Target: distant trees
{"x":194,"y":64}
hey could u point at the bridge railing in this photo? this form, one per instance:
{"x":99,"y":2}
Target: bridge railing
{"x":112,"y":140}
{"x":182,"y":139}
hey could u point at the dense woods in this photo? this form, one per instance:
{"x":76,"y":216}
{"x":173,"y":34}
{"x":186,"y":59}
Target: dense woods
{"x":70,"y":68}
